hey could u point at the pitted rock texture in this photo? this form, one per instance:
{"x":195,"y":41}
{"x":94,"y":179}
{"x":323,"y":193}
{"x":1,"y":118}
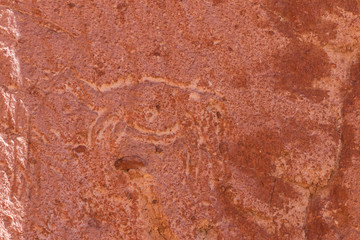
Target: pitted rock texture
{"x":149,"y":119}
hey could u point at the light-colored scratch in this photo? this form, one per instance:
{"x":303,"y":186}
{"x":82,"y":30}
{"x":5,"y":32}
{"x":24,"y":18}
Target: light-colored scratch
{"x":56,"y":27}
{"x":165,"y":81}
{"x":149,"y":139}
{"x":69,"y":89}
{"x":41,"y":136}
{"x":108,"y":123}
{"x":55,"y":132}
{"x":192,"y":87}
{"x":106,"y":87}
{"x":88,"y":83}
{"x":194,"y":96}
{"x":120,"y":83}
{"x":121,"y":136}
{"x":168,"y":131}
{"x":92,"y":125}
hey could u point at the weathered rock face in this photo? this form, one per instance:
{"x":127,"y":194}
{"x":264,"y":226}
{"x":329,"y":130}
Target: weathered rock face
{"x":154,"y":119}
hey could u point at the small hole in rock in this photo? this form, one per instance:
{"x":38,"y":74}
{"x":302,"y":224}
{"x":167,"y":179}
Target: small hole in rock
{"x":157,"y":54}
{"x":121,"y":6}
{"x":71,"y":5}
{"x":80,"y":149}
{"x":128,"y":162}
{"x":158,"y":149}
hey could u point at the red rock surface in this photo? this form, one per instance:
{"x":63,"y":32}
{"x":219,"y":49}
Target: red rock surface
{"x":222,"y":119}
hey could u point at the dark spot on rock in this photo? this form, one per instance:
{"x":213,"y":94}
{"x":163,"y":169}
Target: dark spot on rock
{"x":7,"y":221}
{"x":335,"y":199}
{"x":80,"y":149}
{"x":298,"y":65}
{"x":238,"y":82}
{"x":36,"y":11}
{"x":226,"y":196}
{"x":350,"y":106}
{"x":355,"y":78}
{"x":129,"y":162}
{"x":129,"y":195}
{"x":217,"y":2}
{"x":223,"y":148}
{"x":132,"y":195}
{"x":307,"y":16}
{"x":22,"y":40}
{"x":5,"y":69}
{"x":218,"y":114}
{"x":94,"y":223}
{"x":158,"y":107}
{"x":100,"y":64}
{"x":259,"y":150}
{"x":32,"y":160}
{"x":121,"y":6}
{"x":316,"y":227}
{"x":158,"y":149}
{"x":239,"y":79}
{"x":71,"y":5}
{"x":281,"y":191}
{"x":230,"y":49}
{"x":99,"y":72}
{"x":154,"y":201}
{"x":156,"y":53}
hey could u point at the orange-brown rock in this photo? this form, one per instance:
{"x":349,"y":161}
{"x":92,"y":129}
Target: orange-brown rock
{"x":152,"y":119}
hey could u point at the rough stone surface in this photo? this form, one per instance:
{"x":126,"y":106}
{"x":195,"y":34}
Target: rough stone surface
{"x":186,"y":119}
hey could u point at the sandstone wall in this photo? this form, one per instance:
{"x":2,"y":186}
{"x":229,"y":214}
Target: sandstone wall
{"x":149,"y":119}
